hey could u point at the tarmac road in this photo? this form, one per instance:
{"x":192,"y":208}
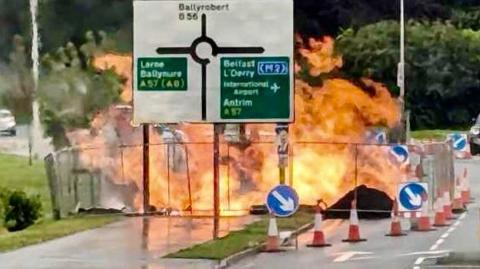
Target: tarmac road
{"x":18,"y":145}
{"x":135,"y":243}
{"x":416,"y":250}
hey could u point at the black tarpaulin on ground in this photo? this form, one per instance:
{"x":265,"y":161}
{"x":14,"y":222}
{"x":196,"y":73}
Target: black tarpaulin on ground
{"x":367,"y":199}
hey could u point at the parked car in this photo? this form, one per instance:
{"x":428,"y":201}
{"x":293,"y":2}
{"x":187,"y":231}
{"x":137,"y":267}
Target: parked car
{"x":474,"y":136}
{"x":7,"y":123}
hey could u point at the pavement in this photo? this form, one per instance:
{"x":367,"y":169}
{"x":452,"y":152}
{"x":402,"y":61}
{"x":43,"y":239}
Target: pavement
{"x":18,"y":145}
{"x":135,"y":243}
{"x":416,"y":250}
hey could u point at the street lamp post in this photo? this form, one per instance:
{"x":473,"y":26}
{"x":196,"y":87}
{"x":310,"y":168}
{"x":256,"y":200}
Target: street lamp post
{"x":401,"y":69}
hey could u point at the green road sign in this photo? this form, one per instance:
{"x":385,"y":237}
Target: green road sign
{"x":162,"y":74}
{"x":255,"y":87}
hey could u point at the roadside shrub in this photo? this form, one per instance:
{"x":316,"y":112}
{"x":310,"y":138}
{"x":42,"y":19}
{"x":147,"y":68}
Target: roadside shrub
{"x":4,"y":193}
{"x":21,"y":210}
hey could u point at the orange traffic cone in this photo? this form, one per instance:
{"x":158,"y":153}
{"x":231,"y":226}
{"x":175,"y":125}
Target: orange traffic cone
{"x":457,"y":205}
{"x":273,"y":242}
{"x":353,"y":230}
{"x":395,"y":227}
{"x":424,"y":220}
{"x":318,"y":236}
{"x":447,"y":206}
{"x":465,"y":188}
{"x":439,"y":220}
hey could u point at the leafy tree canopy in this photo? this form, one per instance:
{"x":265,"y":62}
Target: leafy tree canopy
{"x":441,"y":67}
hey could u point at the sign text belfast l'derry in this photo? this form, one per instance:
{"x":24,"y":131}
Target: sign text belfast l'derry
{"x":213,"y":61}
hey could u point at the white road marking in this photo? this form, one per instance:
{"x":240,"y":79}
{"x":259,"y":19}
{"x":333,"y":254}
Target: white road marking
{"x":419,"y":260}
{"x":441,"y":240}
{"x":345,"y":256}
{"x":425,"y":253}
{"x":456,"y":266}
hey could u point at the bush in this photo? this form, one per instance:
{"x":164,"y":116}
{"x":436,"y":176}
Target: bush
{"x":21,"y":211}
{"x":4,"y":194}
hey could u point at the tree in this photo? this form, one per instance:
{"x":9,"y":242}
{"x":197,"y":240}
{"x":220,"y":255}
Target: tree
{"x":315,"y":18}
{"x":18,"y":92}
{"x":442,"y":75}
{"x":72,"y":91}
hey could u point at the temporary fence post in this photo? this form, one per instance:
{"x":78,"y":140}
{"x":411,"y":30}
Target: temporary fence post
{"x":290,"y":166}
{"x":53,"y":184}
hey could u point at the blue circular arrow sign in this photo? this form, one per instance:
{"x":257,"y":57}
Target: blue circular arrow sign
{"x":412,"y":196}
{"x":459,"y":141}
{"x":282,"y":201}
{"x":399,"y":153}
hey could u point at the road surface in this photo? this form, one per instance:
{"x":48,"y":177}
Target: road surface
{"x":18,"y":145}
{"x":416,"y":250}
{"x":136,"y":243}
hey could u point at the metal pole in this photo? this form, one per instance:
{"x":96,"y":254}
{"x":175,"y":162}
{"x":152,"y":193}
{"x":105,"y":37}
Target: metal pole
{"x":356,"y":173}
{"x":228,"y":176}
{"x":216,"y":176}
{"x":146,"y":168}
{"x":290,"y":166}
{"x":168,"y":175}
{"x":401,"y":69}
{"x":189,"y":181}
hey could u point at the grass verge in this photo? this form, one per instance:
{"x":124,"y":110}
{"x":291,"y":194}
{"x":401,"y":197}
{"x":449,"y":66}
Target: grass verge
{"x":252,"y":235}
{"x":16,"y":174}
{"x":433,"y":134}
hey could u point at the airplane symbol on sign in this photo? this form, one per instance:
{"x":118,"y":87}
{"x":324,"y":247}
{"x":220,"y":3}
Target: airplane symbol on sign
{"x":275,"y":88}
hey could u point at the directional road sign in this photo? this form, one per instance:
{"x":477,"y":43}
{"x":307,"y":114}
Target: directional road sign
{"x":411,"y":196}
{"x":282,"y":201}
{"x":459,"y":141}
{"x":213,"y":61}
{"x":400,"y":153}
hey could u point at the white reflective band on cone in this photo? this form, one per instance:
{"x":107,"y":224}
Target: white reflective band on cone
{"x":353,"y":217}
{"x":318,"y":222}
{"x":272,"y":227}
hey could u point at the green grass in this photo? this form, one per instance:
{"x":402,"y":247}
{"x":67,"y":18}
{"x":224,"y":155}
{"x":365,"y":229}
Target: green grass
{"x":432,"y":134}
{"x":16,"y":174}
{"x":252,"y":235}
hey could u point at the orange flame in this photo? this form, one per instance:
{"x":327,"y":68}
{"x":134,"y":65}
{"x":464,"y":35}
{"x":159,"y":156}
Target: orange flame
{"x":338,"y":112}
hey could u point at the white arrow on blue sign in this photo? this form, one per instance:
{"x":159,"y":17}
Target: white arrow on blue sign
{"x":282,"y":201}
{"x":411,"y":196}
{"x":400,"y":153}
{"x":459,"y":141}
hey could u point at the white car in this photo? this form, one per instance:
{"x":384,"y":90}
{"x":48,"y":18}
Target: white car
{"x":7,"y":123}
